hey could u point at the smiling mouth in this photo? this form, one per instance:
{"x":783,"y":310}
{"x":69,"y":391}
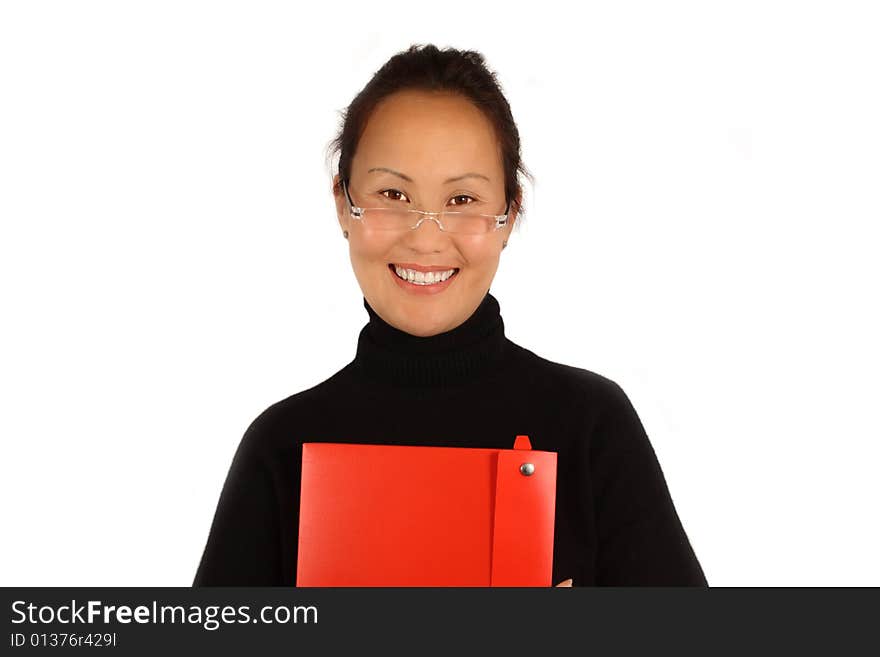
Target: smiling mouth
{"x":393,"y":269}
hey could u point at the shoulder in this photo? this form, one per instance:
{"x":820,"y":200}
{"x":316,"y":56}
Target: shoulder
{"x":274,"y":426}
{"x":586,"y":385}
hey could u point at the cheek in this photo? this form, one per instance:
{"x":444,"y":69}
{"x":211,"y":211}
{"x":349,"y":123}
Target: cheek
{"x":370,"y":249}
{"x":481,"y":255}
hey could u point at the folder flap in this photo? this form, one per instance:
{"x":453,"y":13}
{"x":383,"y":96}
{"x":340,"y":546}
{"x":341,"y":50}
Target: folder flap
{"x":525,"y":511}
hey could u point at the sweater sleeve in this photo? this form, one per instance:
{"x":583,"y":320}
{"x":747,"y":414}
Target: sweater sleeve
{"x":641,"y":541}
{"x":243,"y":543}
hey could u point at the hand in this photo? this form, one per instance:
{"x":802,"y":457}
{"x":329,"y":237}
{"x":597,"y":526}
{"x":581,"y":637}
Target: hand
{"x":567,"y":582}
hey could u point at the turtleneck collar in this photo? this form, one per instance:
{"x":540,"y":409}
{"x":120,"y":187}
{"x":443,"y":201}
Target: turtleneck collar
{"x":466,"y":352}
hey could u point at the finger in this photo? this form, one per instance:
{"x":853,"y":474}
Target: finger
{"x":567,"y":582}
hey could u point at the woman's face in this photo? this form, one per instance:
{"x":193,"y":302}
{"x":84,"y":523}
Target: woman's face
{"x":427,"y":137}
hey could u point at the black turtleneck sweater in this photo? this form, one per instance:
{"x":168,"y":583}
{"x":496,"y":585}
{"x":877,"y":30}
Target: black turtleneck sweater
{"x":468,"y":387}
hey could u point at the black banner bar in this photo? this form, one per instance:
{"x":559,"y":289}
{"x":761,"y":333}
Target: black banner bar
{"x":535,"y":621}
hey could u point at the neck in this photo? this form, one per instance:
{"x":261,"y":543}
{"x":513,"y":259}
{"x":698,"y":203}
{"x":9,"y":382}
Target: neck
{"x":469,"y":351}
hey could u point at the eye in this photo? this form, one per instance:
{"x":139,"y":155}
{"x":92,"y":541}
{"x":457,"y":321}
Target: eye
{"x":393,"y":191}
{"x":464,"y":196}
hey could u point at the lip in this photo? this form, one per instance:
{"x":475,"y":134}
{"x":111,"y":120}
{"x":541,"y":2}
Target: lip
{"x":415,"y":267}
{"x":428,"y":290}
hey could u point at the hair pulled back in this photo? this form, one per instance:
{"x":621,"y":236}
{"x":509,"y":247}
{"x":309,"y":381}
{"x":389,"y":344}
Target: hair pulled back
{"x":428,"y":68}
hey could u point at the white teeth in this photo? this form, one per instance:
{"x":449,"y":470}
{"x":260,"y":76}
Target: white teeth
{"x":421,"y":278}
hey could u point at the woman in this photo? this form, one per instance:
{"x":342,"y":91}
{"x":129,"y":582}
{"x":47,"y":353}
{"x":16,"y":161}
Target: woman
{"x":432,"y":132}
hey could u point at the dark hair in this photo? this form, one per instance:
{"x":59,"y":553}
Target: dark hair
{"x":431,"y":69}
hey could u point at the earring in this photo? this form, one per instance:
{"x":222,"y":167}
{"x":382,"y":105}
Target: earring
{"x":345,"y":234}
{"x":504,"y":246}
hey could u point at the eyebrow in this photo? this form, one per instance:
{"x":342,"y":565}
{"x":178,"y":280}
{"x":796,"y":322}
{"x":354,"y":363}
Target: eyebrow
{"x":449,"y":180}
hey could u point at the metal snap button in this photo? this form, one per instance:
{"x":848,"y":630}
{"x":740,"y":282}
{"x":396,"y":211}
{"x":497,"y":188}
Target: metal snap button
{"x":527,"y":469}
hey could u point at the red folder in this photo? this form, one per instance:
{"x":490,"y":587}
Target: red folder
{"x":395,"y":515}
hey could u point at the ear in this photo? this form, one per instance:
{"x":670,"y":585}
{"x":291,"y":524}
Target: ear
{"x":341,"y":204}
{"x":513,"y":215}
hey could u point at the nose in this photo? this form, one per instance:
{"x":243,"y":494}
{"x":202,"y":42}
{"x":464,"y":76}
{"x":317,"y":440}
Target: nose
{"x":426,"y":235}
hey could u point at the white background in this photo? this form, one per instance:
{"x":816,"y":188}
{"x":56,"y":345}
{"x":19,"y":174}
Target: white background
{"x":702,"y":230}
